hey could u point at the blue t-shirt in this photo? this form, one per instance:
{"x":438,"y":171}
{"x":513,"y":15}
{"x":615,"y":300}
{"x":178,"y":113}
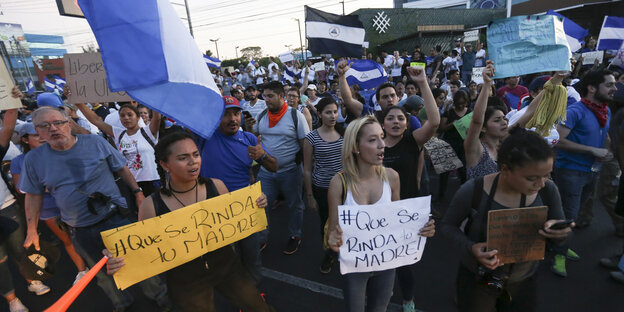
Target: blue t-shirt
{"x":584,"y":129}
{"x":468,"y":59}
{"x":226,"y":158}
{"x":72,"y":175}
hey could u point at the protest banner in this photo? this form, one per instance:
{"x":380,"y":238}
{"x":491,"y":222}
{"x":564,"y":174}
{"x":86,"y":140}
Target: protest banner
{"x":590,"y":57}
{"x":477,"y":75}
{"x":365,"y":44}
{"x":382,"y":236}
{"x":86,"y":78}
{"x":155,"y":245}
{"x":318,"y":66}
{"x":470,"y":36}
{"x":7,"y":101}
{"x":462,"y":125}
{"x":442,"y":156}
{"x":514,"y":233}
{"x":286,"y":57}
{"x":522,"y":45}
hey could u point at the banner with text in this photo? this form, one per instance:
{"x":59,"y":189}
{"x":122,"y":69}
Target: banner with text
{"x":477,"y":75}
{"x":7,"y":101}
{"x":522,"y":45}
{"x":86,"y":78}
{"x":155,"y":245}
{"x":515,"y":233}
{"x":286,"y":57}
{"x":470,"y":36}
{"x":590,"y":57}
{"x":382,"y":236}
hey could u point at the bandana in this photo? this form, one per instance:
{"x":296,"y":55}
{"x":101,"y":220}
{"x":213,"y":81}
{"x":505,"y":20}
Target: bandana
{"x":275,"y":118}
{"x":599,"y":110}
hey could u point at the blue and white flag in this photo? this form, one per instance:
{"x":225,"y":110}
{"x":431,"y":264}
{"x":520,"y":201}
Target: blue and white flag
{"x":30,"y":87}
{"x":612,"y":33}
{"x":288,"y":75}
{"x":49,"y":85}
{"x":148,"y":52}
{"x":367,"y":73}
{"x":59,"y":82}
{"x":251,"y":64}
{"x":574,"y":33}
{"x":335,"y":34}
{"x":212,"y":61}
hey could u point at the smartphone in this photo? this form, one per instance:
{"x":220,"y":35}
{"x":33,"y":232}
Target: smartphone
{"x":414,"y":64}
{"x":246,"y":114}
{"x":561,"y":225}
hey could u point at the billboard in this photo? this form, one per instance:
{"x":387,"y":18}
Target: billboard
{"x":11,"y":35}
{"x":69,"y":8}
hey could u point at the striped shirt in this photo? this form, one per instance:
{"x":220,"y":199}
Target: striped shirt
{"x":327,"y":160}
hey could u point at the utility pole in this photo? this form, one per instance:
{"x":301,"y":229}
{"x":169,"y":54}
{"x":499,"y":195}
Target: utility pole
{"x":304,"y":56}
{"x":236,"y":50}
{"x":188,"y":17}
{"x":343,"y":12}
{"x":216,"y":46}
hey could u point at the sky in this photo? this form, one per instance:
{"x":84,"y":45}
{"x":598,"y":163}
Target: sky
{"x":268,"y":24}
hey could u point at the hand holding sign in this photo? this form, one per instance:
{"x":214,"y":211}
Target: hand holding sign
{"x":256,"y":152}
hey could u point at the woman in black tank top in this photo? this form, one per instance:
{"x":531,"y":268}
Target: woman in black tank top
{"x":191,"y":285}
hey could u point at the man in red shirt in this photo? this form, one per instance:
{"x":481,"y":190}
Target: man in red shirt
{"x":511,"y":92}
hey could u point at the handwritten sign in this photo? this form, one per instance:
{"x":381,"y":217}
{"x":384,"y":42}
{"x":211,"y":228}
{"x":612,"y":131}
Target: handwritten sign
{"x":7,"y":101}
{"x":286,"y":57}
{"x":318,"y":66}
{"x":522,"y":45}
{"x":514,"y":233}
{"x":86,"y":78}
{"x":463,"y":124}
{"x":382,"y":236}
{"x":365,"y":44}
{"x":472,"y":35}
{"x":590,"y":57}
{"x":477,"y":75}
{"x":153,"y":246}
{"x":442,"y":156}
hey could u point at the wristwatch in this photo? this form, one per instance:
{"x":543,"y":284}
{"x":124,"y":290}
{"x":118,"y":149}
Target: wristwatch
{"x":138,"y":190}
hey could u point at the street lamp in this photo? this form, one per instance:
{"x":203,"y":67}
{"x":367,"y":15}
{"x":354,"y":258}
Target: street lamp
{"x":236,"y":49}
{"x":300,"y":40}
{"x":288,"y":46}
{"x":216,"y":46}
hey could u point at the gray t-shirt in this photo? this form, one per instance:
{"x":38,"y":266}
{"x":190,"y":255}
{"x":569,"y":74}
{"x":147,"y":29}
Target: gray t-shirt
{"x":72,"y":175}
{"x":282,"y":140}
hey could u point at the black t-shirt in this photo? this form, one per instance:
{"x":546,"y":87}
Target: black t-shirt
{"x":403,"y":158}
{"x":451,"y":134}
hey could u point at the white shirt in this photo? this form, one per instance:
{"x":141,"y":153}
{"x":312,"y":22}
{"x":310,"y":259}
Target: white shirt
{"x":113,"y":120}
{"x":259,"y":74}
{"x":480,"y":58}
{"x":273,"y":68}
{"x":396,"y":67}
{"x":256,"y":109}
{"x":139,"y":154}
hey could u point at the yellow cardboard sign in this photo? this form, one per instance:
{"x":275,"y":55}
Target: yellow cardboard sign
{"x":155,"y":245}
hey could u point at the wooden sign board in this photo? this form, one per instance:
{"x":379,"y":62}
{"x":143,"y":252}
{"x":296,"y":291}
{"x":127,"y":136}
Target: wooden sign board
{"x":514,"y":233}
{"x":442,"y":156}
{"x":86,"y":78}
{"x":7,"y":101}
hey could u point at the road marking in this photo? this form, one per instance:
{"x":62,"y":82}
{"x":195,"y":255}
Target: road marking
{"x":315,"y":286}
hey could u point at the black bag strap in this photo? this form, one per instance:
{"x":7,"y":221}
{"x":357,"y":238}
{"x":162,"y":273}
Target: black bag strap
{"x":294,"y":117}
{"x":143,"y":133}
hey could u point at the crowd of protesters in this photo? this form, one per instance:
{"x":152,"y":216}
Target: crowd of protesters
{"x":316,"y":142}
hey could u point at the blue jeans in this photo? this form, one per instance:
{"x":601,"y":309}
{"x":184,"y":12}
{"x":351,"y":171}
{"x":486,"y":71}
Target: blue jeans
{"x":289,"y":183}
{"x":369,"y":291}
{"x":575,"y":187}
{"x":249,"y":250}
{"x":88,"y":243}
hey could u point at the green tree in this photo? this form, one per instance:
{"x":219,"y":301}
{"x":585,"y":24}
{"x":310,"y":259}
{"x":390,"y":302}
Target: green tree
{"x":208,"y":53}
{"x":249,"y":53}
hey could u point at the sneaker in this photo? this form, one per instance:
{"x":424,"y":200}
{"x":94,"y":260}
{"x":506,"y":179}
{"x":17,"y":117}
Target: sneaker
{"x":610,"y":263}
{"x":293,"y":245}
{"x":618,"y":276}
{"x":571,"y":255}
{"x":38,"y":288}
{"x":17,"y":306}
{"x":409,"y":307}
{"x":328,"y":261}
{"x":80,"y":275}
{"x":559,"y":265}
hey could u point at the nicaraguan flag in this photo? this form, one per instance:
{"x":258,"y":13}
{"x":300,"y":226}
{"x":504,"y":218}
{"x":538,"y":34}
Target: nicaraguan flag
{"x":331,"y":33}
{"x":612,"y":33}
{"x":30,"y":87}
{"x":49,"y":85}
{"x":148,"y":52}
{"x":289,"y":75}
{"x":367,"y":73}
{"x":59,"y":81}
{"x":574,"y":33}
{"x":212,"y":61}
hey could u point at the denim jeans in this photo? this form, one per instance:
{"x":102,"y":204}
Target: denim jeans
{"x":575,"y":187}
{"x":370,"y":291}
{"x":289,"y":183}
{"x":249,"y":250}
{"x":13,"y":246}
{"x":88,"y":243}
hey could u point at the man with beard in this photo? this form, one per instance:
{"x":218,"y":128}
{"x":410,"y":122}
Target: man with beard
{"x":581,"y":149}
{"x":252,"y":104}
{"x":283,"y":131}
{"x":228,"y":156}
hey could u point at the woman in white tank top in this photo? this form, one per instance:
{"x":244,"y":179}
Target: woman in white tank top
{"x":367,"y":182}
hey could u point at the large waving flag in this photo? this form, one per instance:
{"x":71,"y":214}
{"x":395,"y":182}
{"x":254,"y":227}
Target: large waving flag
{"x":30,"y":87}
{"x":367,"y":73}
{"x":331,"y":33}
{"x":574,"y":33}
{"x":49,"y":85}
{"x":148,"y":52}
{"x":212,"y":61}
{"x":612,"y":33}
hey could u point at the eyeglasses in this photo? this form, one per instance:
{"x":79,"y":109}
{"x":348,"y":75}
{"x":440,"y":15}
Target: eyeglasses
{"x":47,"y":125}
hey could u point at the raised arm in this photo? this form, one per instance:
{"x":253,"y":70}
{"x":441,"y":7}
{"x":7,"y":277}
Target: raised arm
{"x":472,"y":144}
{"x":350,"y":103}
{"x":304,"y":86}
{"x":93,"y":118}
{"x":155,"y":123}
{"x":424,"y":133}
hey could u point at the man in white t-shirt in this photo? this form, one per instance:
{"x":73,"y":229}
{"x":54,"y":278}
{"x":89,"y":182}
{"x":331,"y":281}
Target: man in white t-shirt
{"x":396,"y":62}
{"x":252,"y":104}
{"x":259,"y":74}
{"x":273,"y":70}
{"x":113,"y":118}
{"x":480,"y":55}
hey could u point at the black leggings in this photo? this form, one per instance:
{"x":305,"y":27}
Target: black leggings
{"x":320,"y":195}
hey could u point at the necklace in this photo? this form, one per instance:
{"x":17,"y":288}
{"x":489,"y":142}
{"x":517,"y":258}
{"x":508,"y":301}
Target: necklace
{"x":180,"y":192}
{"x":176,"y":197}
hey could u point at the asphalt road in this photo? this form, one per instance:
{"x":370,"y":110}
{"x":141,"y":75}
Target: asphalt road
{"x":294,"y":283}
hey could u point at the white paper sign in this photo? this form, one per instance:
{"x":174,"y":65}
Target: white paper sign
{"x":365,"y":44}
{"x":472,"y":35}
{"x":589,"y":57}
{"x":477,"y":74}
{"x":382,"y":236}
{"x":286,"y":57}
{"x":319,"y":66}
